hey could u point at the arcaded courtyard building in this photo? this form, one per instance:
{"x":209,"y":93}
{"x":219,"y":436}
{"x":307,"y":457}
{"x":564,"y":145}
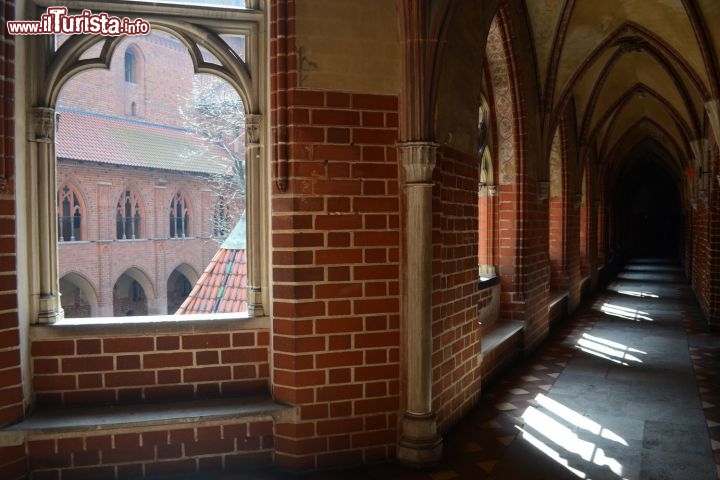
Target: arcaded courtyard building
{"x":430,"y":188}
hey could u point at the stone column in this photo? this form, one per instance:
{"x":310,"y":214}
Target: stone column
{"x":254,"y":217}
{"x":42,"y":152}
{"x":420,"y":445}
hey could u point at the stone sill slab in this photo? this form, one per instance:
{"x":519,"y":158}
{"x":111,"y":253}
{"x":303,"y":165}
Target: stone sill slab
{"x":73,"y":421}
{"x":500,"y":333}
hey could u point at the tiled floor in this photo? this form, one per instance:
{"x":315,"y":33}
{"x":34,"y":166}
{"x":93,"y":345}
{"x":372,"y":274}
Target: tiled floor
{"x":626,"y":389}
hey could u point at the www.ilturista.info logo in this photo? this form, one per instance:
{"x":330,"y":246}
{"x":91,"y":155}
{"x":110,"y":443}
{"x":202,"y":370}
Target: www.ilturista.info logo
{"x":57,"y":21}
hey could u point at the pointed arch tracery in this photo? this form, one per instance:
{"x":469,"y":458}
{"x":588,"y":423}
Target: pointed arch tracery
{"x":128,"y":215}
{"x":71,"y":215}
{"x":179,"y":216}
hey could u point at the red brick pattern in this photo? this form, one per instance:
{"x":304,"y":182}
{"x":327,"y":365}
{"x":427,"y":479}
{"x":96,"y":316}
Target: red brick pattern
{"x":455,"y":328}
{"x":11,"y":408}
{"x":132,"y":369}
{"x":231,"y":447}
{"x":335,"y":255}
{"x":336,"y":239}
{"x":701,"y":257}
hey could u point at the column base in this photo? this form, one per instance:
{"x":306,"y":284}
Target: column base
{"x":50,"y":311}
{"x":255,"y":306}
{"x":420,"y":446}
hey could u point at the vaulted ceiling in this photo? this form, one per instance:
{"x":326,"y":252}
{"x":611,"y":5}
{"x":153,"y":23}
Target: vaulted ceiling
{"x":638,"y":72}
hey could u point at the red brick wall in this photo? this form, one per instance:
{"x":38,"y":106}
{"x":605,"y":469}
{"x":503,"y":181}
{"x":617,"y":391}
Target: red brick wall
{"x":336,"y":286}
{"x":704,"y":264}
{"x":230,"y":447}
{"x":701,"y":257}
{"x":335,"y":255}
{"x":12,"y":459}
{"x":556,"y":214}
{"x":455,"y":329}
{"x":123,"y":369}
{"x":160,"y":59}
{"x":572,"y":179}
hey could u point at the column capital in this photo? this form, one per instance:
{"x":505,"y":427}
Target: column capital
{"x":42,"y":123}
{"x":253,"y":124}
{"x":700,"y":149}
{"x":418,"y":160}
{"x":713,"y":109}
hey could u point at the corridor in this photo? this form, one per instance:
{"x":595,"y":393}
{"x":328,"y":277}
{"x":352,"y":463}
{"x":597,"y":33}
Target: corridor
{"x":627,"y":403}
{"x":626,"y":389}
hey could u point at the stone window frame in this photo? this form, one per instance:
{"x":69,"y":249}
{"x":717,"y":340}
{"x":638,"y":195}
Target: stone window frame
{"x":67,"y":191}
{"x":487,"y":188}
{"x":198,"y":27}
{"x":129,"y":215}
{"x":179,"y":227}
{"x":132,"y":65}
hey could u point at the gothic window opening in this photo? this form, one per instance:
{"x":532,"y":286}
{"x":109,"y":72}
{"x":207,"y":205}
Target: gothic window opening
{"x":179,"y":217}
{"x":220,"y":219}
{"x":131,"y":66}
{"x":487,"y":192}
{"x":193,"y":93}
{"x":128,"y":216}
{"x":69,"y":215}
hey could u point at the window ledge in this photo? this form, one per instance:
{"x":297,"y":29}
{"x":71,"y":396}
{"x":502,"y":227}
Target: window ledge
{"x":556,"y":297}
{"x":487,"y":282}
{"x":148,"y":325}
{"x":500,"y":333}
{"x":134,"y":417}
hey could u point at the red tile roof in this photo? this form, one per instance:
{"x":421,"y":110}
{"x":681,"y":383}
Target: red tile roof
{"x":222,"y":288}
{"x":114,"y":140}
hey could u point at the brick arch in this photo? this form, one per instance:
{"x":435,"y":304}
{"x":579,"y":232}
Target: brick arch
{"x":82,"y":283}
{"x":175,"y":298}
{"x":504,"y":123}
{"x":138,"y":306}
{"x":188,"y":270}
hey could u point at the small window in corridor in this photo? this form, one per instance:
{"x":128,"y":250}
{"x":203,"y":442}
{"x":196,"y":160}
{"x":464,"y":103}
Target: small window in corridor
{"x":487,"y":192}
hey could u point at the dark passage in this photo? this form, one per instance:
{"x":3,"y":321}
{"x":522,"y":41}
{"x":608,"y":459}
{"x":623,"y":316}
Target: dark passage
{"x":648,"y":210}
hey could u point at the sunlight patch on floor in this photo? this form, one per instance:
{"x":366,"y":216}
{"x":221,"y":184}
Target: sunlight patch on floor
{"x":555,"y":437}
{"x":624,"y":312}
{"x":609,"y":350}
{"x":634,"y":293}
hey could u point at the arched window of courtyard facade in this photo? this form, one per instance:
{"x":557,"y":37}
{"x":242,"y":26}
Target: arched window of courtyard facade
{"x":179,"y":216}
{"x":218,"y":67}
{"x":70,"y":215}
{"x":131,"y":66}
{"x":221,"y":219}
{"x":127,"y":218}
